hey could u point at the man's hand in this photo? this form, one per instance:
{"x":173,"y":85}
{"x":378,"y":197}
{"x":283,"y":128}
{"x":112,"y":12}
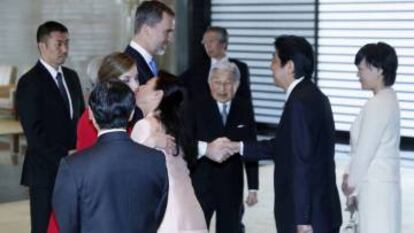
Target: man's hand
{"x":233,"y":146}
{"x":346,"y":189}
{"x":304,"y":229}
{"x":218,"y":150}
{"x":251,"y":198}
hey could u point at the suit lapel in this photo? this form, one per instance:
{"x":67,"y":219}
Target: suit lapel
{"x":234,"y":110}
{"x":300,"y":87}
{"x":71,"y":88}
{"x":215,"y":116}
{"x":144,"y":71}
{"x":51,"y":85}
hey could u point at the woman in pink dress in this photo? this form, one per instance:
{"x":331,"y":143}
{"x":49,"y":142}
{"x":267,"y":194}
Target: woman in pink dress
{"x":161,"y":101}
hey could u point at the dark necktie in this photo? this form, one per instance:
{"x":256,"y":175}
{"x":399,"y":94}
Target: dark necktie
{"x":224,"y":114}
{"x":62,"y":89}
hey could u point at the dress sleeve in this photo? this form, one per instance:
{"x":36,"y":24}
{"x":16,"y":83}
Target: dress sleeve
{"x":374,"y":119}
{"x":144,"y":131}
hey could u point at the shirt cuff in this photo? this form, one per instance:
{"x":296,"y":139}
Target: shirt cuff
{"x":241,"y":148}
{"x":202,"y":149}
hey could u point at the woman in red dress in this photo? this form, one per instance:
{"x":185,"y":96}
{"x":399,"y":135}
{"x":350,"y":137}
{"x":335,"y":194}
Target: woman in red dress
{"x":115,"y":65}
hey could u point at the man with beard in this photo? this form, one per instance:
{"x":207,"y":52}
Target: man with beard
{"x":153,"y":28}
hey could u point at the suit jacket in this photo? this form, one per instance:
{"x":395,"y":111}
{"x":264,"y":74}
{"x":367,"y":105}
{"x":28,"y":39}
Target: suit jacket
{"x":207,"y":126}
{"x":303,"y":151}
{"x":196,"y":80}
{"x":375,"y":142}
{"x":114,"y":186}
{"x":49,"y":130}
{"x":144,"y":71}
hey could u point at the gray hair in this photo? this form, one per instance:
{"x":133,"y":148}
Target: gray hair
{"x":222,"y":33}
{"x":227,"y":66}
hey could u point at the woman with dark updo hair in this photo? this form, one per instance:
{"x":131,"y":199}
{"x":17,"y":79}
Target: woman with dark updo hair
{"x":162,"y":100}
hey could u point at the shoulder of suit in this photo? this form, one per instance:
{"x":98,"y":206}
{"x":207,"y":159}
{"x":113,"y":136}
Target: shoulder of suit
{"x":238,"y":62}
{"x":69,"y":71}
{"x":29,"y":76}
{"x":147,"y":151}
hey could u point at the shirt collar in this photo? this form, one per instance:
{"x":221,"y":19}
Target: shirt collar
{"x":292,"y":86}
{"x":215,"y":61}
{"x":51,"y":70}
{"x":105,"y":131}
{"x":221,"y":105}
{"x":147,"y":56}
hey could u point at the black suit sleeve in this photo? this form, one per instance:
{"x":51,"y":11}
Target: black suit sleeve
{"x":302,"y":152}
{"x":65,"y":200}
{"x":259,"y":150}
{"x":251,"y":167}
{"x":160,"y":212}
{"x":28,"y":100}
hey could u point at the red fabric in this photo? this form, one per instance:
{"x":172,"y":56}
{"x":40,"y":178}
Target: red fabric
{"x":86,"y":132}
{"x":53,"y":226}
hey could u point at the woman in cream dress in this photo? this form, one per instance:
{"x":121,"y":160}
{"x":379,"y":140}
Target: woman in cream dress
{"x":161,"y":100}
{"x":373,"y":175}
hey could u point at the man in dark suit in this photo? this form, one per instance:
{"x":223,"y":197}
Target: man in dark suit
{"x":306,"y":196}
{"x":153,"y":28}
{"x":116,"y":185}
{"x":49,"y":102}
{"x":215,"y":41}
{"x":219,"y":187}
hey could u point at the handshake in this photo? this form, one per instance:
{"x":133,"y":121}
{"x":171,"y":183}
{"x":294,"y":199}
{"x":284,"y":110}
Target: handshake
{"x":221,"y":149}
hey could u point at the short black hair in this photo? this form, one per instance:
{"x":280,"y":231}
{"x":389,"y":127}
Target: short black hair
{"x":382,"y":56}
{"x":112,"y":103}
{"x":298,"y":50}
{"x":45,"y":29}
{"x":150,"y":13}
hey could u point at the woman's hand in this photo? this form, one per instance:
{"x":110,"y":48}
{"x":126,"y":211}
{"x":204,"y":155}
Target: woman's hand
{"x":165,"y":142}
{"x":346,"y":189}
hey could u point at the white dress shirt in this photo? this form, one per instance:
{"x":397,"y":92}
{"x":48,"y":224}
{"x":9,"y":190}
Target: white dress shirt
{"x":53,"y":72}
{"x":144,"y":53}
{"x":292,"y":86}
{"x":215,"y":61}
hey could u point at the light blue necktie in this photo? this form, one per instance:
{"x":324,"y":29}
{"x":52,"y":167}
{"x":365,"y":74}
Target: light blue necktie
{"x":224,"y":114}
{"x":153,"y":66}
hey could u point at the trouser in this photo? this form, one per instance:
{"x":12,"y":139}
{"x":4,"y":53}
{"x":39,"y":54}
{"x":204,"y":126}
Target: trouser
{"x":40,"y":208}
